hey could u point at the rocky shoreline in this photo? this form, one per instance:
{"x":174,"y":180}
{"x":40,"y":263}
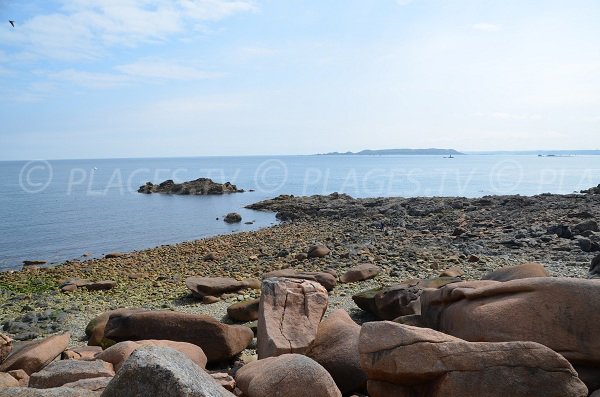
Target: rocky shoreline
{"x":405,"y":238}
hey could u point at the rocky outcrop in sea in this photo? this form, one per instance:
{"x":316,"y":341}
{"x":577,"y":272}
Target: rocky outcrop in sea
{"x":200,"y":186}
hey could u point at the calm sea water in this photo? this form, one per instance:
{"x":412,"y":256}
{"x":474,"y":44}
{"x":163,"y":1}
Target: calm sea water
{"x":59,"y":210}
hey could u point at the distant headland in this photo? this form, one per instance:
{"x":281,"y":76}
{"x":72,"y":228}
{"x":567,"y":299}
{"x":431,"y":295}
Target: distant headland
{"x":370,"y":152}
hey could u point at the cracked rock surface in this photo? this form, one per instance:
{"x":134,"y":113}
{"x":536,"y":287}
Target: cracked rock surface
{"x":417,"y":361}
{"x":290,"y":311}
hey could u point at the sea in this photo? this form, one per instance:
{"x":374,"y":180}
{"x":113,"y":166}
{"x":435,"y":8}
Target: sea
{"x":59,"y":210}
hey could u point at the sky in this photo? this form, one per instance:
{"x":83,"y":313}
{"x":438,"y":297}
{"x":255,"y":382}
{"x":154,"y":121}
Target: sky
{"x":163,"y":78}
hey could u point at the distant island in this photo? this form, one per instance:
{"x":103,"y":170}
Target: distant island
{"x":370,"y":152}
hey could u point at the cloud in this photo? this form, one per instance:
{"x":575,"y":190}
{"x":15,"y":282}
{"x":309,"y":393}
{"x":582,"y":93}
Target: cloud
{"x":206,"y":10}
{"x":87,"y":29}
{"x":132,"y":73}
{"x":90,"y":79}
{"x":404,"y":2}
{"x":486,"y":27}
{"x":160,"y":69}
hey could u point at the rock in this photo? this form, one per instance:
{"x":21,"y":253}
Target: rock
{"x":289,"y":375}
{"x":198,"y":187}
{"x":594,"y":271}
{"x":54,"y":392}
{"x":81,"y":353}
{"x":67,"y":371}
{"x":360,"y":273}
{"x":118,"y":353}
{"x":211,"y":256}
{"x":441,"y":365}
{"x":225,"y":380}
{"x":244,"y":311}
{"x":209,"y":300}
{"x":336,"y":349}
{"x":301,"y":256}
{"x":402,"y":299}
{"x":317,"y":251}
{"x":36,"y":355}
{"x":454,"y":271}
{"x":560,"y":313}
{"x":68,"y":288}
{"x":113,"y":255}
{"x":232,"y":217}
{"x":289,"y":314}
{"x":526,"y":270}
{"x":585,"y":226}
{"x":584,"y":243}
{"x":21,"y":377}
{"x":5,"y":347}
{"x":216,"y":286}
{"x":459,"y":231}
{"x":218,"y":341}
{"x":100,"y":285}
{"x":34,"y":263}
{"x":95,"y":328}
{"x":326,"y":279}
{"x":6,"y":380}
{"x":160,"y":371}
{"x":91,"y":384}
{"x":561,"y":231}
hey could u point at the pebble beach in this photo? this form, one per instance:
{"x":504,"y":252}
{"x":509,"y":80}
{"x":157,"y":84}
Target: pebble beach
{"x":407,"y":238}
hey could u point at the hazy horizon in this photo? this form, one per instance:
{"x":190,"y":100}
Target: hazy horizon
{"x":185,"y":78}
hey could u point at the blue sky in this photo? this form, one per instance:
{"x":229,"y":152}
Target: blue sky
{"x":132,"y":78}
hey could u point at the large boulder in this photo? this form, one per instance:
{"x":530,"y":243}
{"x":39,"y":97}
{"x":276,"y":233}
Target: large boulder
{"x":232,"y":217}
{"x":36,"y":355}
{"x":218,"y":341}
{"x":117,"y":354}
{"x":403,"y":299}
{"x":336,"y":349}
{"x":5,"y":347}
{"x":526,"y":270}
{"x":589,"y":225}
{"x":412,"y":361}
{"x":360,"y":273}
{"x":53,"y":392}
{"x":92,"y":384}
{"x":61,"y":372}
{"x":594,"y":271}
{"x":81,"y":353}
{"x":326,"y":279}
{"x":95,"y":328}
{"x":244,"y":311}
{"x":289,"y":314}
{"x":289,"y":375}
{"x":561,"y":313}
{"x":215,"y":286}
{"x":165,"y":372}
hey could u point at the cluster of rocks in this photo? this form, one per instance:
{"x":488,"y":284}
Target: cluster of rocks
{"x":516,"y":332}
{"x":200,"y":186}
{"x":548,"y":227}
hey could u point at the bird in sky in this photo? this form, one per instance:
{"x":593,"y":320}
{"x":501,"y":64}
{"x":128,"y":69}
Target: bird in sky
{"x":12,"y":23}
